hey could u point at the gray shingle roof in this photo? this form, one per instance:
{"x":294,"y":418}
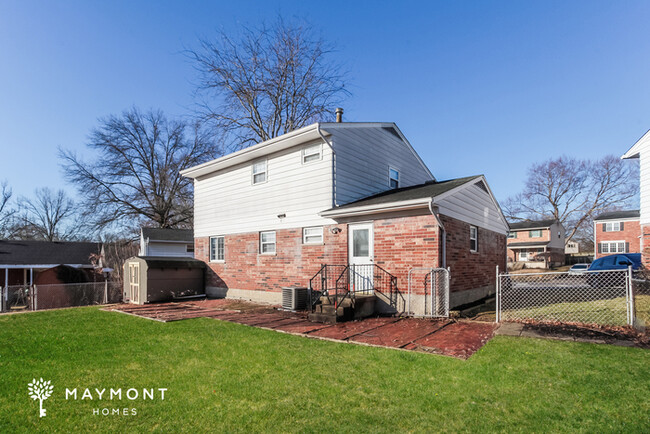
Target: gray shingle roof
{"x":532,"y":224}
{"x":46,"y":253}
{"x":158,"y":234}
{"x":172,"y":262}
{"x":632,"y":213}
{"x":420,"y":191}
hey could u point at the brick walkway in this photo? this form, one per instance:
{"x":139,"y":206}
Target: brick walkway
{"x":446,"y":337}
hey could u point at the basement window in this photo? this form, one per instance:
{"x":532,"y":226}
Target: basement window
{"x":473,"y":239}
{"x":267,"y":243}
{"x":311,"y":153}
{"x":259,"y":172}
{"x":312,"y":235}
{"x":217,"y":249}
{"x":393,"y":178}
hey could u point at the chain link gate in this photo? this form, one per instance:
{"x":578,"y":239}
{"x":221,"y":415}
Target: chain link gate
{"x":428,"y":292}
{"x":591,"y":297}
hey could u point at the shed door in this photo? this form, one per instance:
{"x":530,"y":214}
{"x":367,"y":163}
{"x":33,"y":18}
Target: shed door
{"x":134,"y":283}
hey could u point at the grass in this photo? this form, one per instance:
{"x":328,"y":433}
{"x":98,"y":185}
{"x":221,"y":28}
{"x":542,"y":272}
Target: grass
{"x":607,"y":312}
{"x":229,"y":377}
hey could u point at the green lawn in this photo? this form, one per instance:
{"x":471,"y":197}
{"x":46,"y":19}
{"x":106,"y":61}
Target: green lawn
{"x":229,"y":377}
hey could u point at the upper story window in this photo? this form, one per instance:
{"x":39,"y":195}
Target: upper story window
{"x":393,"y":178}
{"x":217,"y":249}
{"x":311,"y":153}
{"x":267,"y":243}
{"x":613,"y":226}
{"x":312,"y":235}
{"x":512,"y":235}
{"x":473,"y":239}
{"x":537,"y":233}
{"x":259,"y":172}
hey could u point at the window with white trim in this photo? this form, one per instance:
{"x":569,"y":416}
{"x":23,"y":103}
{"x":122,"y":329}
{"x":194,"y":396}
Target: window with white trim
{"x":312,"y":235}
{"x":612,"y":226}
{"x":217,"y":249}
{"x":267,"y":243}
{"x":512,"y":235}
{"x":393,"y":178}
{"x":312,"y":153}
{"x":259,"y":172}
{"x":612,"y":247}
{"x":473,"y":239}
{"x":536,"y":233}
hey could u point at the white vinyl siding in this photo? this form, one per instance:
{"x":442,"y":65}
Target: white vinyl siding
{"x":156,"y":248}
{"x":226,"y":202}
{"x":362,"y":155}
{"x":267,"y":243}
{"x":217,"y":249}
{"x":312,"y":235}
{"x":312,"y":153}
{"x":259,"y":172}
{"x":473,"y":205}
{"x":645,"y":182}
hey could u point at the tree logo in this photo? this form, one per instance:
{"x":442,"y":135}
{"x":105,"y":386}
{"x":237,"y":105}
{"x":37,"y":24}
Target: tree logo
{"x":40,"y":390}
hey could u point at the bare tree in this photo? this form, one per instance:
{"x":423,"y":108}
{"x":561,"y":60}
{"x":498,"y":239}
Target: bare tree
{"x":7,"y":223}
{"x":573,"y":191}
{"x":116,"y":251}
{"x":49,"y":215}
{"x":134,"y":173}
{"x":266,"y":82}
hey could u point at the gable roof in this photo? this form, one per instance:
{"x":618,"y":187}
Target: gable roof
{"x":315,"y":131}
{"x":635,"y":150}
{"x":421,"y":191}
{"x":532,"y":224}
{"x":627,"y":214}
{"x":159,"y":234}
{"x":31,"y":252}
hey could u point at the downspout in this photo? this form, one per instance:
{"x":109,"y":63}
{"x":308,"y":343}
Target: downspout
{"x":334,"y":202}
{"x":443,"y":234}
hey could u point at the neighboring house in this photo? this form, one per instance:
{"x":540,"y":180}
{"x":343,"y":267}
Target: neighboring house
{"x":44,"y":262}
{"x":571,"y":248}
{"x":536,"y":244}
{"x":166,"y":242}
{"x":270,"y":216}
{"x":641,"y":150}
{"x":617,"y":232}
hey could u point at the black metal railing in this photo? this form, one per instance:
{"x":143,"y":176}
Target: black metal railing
{"x":339,"y":282}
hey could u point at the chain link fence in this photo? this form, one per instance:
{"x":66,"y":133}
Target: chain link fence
{"x":40,"y":297}
{"x":428,"y":292}
{"x":590,"y":298}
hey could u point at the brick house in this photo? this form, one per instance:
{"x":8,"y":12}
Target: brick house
{"x":536,"y":243}
{"x":641,"y":151}
{"x":272,"y":215}
{"x":617,"y":232}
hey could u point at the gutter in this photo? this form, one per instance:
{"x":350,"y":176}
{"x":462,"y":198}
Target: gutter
{"x":443,"y":234}
{"x":334,"y":202}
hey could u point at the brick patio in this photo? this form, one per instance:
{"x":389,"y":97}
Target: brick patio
{"x":458,"y":339}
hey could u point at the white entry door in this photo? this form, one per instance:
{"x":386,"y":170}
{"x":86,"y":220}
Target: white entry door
{"x":361,"y":257}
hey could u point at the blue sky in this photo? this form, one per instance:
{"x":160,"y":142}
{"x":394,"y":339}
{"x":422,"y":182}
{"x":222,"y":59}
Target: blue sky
{"x":477,"y":87}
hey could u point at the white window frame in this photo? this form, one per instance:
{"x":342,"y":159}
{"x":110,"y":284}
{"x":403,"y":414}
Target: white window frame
{"x":319,"y":235}
{"x":310,"y":151}
{"x":610,"y":244}
{"x":265,"y":172}
{"x":215,"y":258}
{"x":541,"y":233}
{"x":609,"y":226}
{"x":273,"y":243}
{"x":473,"y":238}
{"x":390,"y":177}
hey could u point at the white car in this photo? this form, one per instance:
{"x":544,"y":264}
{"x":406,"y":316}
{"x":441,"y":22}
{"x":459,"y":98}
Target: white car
{"x":579,"y":269}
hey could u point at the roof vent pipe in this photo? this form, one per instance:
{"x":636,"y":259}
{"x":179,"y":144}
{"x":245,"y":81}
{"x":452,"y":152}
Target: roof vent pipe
{"x":339,"y":114}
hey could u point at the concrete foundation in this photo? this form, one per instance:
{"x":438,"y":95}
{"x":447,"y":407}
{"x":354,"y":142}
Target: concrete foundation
{"x":264,"y":297}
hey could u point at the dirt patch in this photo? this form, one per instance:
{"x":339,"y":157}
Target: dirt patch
{"x":607,"y":334}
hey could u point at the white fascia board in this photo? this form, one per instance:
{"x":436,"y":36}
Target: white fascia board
{"x":172,"y":242}
{"x":532,"y":228}
{"x":378,"y":208}
{"x":627,"y":219}
{"x":634,"y":151}
{"x":279,"y":143}
{"x":534,"y":246}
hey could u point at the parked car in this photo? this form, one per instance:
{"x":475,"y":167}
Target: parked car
{"x":578,"y":269}
{"x":617,"y":262}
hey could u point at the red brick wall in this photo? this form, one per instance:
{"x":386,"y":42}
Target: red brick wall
{"x":471,"y":270}
{"x":630,"y":234}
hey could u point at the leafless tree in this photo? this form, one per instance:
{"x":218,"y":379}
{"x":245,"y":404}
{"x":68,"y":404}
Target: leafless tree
{"x":7,"y":214}
{"x":116,"y":251}
{"x":574,"y":191}
{"x":134,"y":174}
{"x":49,"y":215}
{"x":266,"y":82}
